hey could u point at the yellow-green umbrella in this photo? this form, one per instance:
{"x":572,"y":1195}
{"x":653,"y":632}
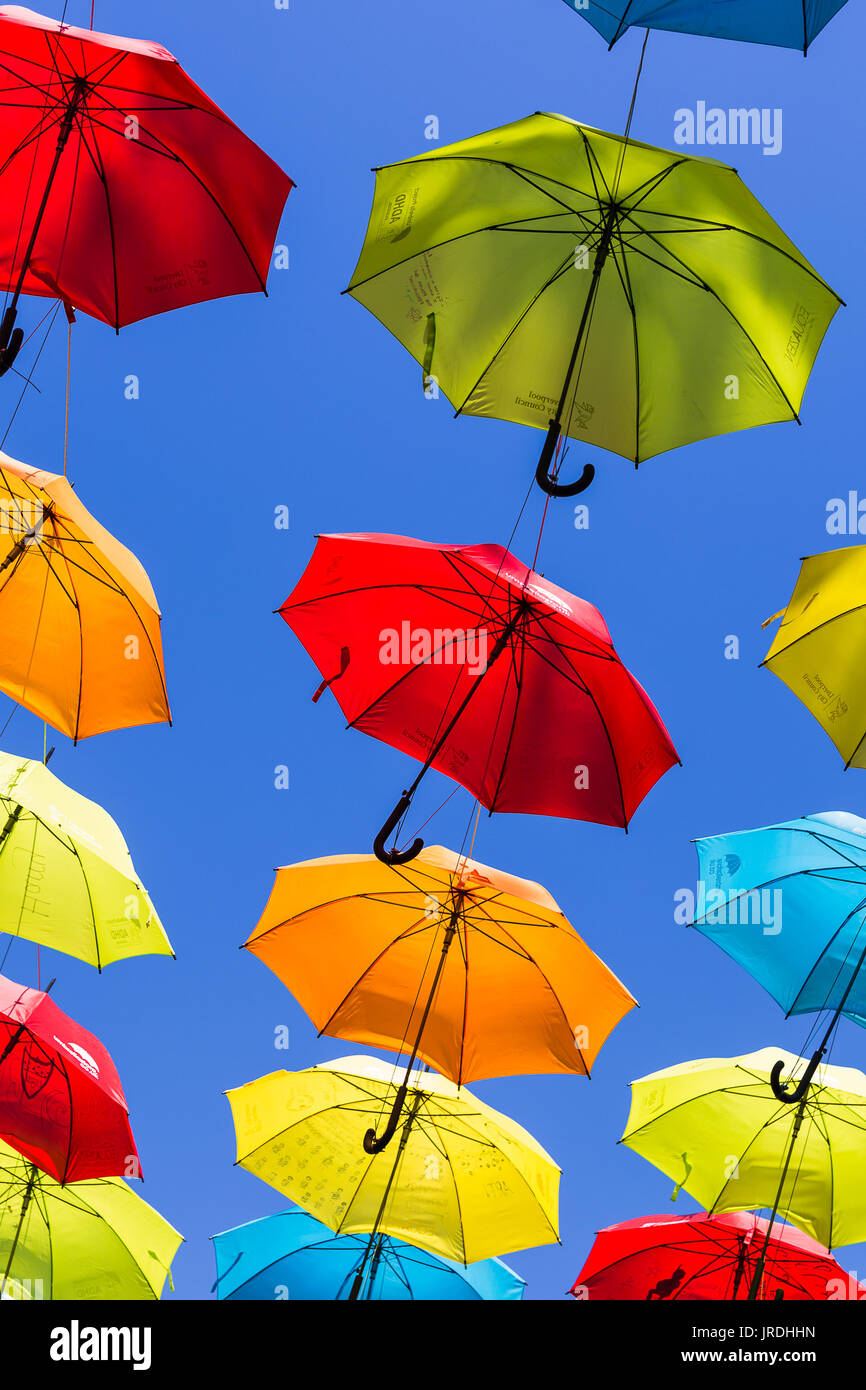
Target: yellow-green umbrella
{"x":466,"y":1182}
{"x":718,"y":1129}
{"x":66,"y":877}
{"x":819,"y":651}
{"x":87,"y":1240}
{"x":628,"y":296}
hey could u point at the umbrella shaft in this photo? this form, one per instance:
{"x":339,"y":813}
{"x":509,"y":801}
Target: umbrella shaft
{"x":24,"y":1205}
{"x":62,"y":138}
{"x":755,"y":1285}
{"x":600,"y":258}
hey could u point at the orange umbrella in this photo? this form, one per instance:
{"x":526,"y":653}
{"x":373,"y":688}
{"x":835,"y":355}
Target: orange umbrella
{"x":476,"y":971}
{"x":81,"y":644}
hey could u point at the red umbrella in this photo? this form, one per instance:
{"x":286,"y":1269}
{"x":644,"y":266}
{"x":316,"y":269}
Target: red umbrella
{"x":476,"y":665}
{"x":61,"y":1101}
{"x":124,"y":190}
{"x":700,"y":1257}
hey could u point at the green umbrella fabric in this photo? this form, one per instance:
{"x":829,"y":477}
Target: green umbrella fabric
{"x":547,"y":271}
{"x":66,"y":877}
{"x":87,"y":1240}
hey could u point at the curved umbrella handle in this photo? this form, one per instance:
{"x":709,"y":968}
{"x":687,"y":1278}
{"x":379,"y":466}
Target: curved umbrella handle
{"x":542,"y":472}
{"x":11,"y":339}
{"x":372,"y":1145}
{"x":395,"y":856}
{"x":793,"y":1097}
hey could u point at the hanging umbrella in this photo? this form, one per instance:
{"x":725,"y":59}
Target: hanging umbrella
{"x":554,"y":275}
{"x":683,"y":1259}
{"x":716,"y":1127}
{"x":788,"y":903}
{"x":66,"y":877}
{"x":467,"y":1183}
{"x":61,"y":1102}
{"x":783,"y":23}
{"x":819,"y":651}
{"x":87,"y":1240}
{"x":293,"y":1252}
{"x":124,"y":190}
{"x":476,"y":665}
{"x":81,"y":627}
{"x":475,"y":970}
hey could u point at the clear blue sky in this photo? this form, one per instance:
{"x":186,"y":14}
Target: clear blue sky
{"x":304,"y":400}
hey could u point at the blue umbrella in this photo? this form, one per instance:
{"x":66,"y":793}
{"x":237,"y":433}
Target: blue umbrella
{"x":785,"y":23}
{"x":788,"y":903}
{"x":293,"y":1256}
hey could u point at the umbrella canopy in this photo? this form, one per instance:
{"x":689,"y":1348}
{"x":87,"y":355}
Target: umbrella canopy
{"x":66,"y":877}
{"x":716,"y":1127}
{"x":783,"y":23}
{"x":125,"y":190}
{"x":467,"y":1183}
{"x":695,"y":1258}
{"x":471,"y":662}
{"x":788,"y":903}
{"x":555,"y":275}
{"x":819,"y":651}
{"x":61,"y":1102}
{"x":519,"y":991}
{"x":293,"y":1252}
{"x":87,"y":1240}
{"x":81,"y":627}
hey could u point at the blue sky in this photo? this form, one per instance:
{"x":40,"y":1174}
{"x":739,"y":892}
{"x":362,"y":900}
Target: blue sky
{"x":304,"y":400}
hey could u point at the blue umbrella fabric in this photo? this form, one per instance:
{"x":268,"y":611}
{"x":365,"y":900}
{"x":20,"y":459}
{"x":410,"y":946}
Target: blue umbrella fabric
{"x":783,"y":23}
{"x":788,"y":903}
{"x":293,"y":1256}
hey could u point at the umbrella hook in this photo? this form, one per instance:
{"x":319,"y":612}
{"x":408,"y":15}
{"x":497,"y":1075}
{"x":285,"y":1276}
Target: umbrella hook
{"x":396,"y":856}
{"x":793,"y":1097}
{"x":545,"y":479}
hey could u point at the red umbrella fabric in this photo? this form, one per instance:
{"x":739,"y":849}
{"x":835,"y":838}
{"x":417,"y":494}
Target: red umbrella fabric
{"x":123,"y":189}
{"x":61,"y":1101}
{"x":471,"y":662}
{"x":695,"y":1258}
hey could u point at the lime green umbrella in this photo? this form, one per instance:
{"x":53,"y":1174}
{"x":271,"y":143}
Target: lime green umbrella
{"x":620,"y":294}
{"x":716,"y":1127}
{"x":87,"y":1240}
{"x":66,"y":877}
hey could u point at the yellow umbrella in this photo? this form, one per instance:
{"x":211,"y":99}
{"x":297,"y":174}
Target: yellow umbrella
{"x":482,"y":967}
{"x":820,"y":647}
{"x":81,"y":643}
{"x":66,"y":877}
{"x":467,"y":1183}
{"x":717,"y":1127}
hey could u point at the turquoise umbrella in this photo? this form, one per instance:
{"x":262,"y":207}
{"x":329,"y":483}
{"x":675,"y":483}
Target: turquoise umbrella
{"x":788,"y":903}
{"x":783,"y":23}
{"x":293,"y":1256}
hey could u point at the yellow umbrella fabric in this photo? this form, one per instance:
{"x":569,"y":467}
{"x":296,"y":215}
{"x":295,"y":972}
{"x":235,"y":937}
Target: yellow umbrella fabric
{"x":359,"y":942}
{"x":464,"y":1181}
{"x":67,"y":880}
{"x":82,"y":1241}
{"x":820,"y":648}
{"x":81,"y":645}
{"x":716,"y":1127}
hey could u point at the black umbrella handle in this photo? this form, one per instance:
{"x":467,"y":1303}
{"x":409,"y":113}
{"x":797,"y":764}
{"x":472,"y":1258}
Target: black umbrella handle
{"x":396,"y":856}
{"x":11,"y":339}
{"x":543,"y":477}
{"x":374,"y":1145}
{"x":798,"y":1093}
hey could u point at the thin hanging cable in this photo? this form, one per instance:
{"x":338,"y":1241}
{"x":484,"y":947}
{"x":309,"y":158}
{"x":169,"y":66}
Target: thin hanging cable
{"x":29,"y":378}
{"x":68,"y":380}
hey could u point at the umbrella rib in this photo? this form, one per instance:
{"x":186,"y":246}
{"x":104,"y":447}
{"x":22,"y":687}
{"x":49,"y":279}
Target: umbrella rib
{"x":837,"y":617}
{"x":96,"y":157}
{"x":625,"y":282}
{"x":516,"y":667}
{"x":709,"y":290}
